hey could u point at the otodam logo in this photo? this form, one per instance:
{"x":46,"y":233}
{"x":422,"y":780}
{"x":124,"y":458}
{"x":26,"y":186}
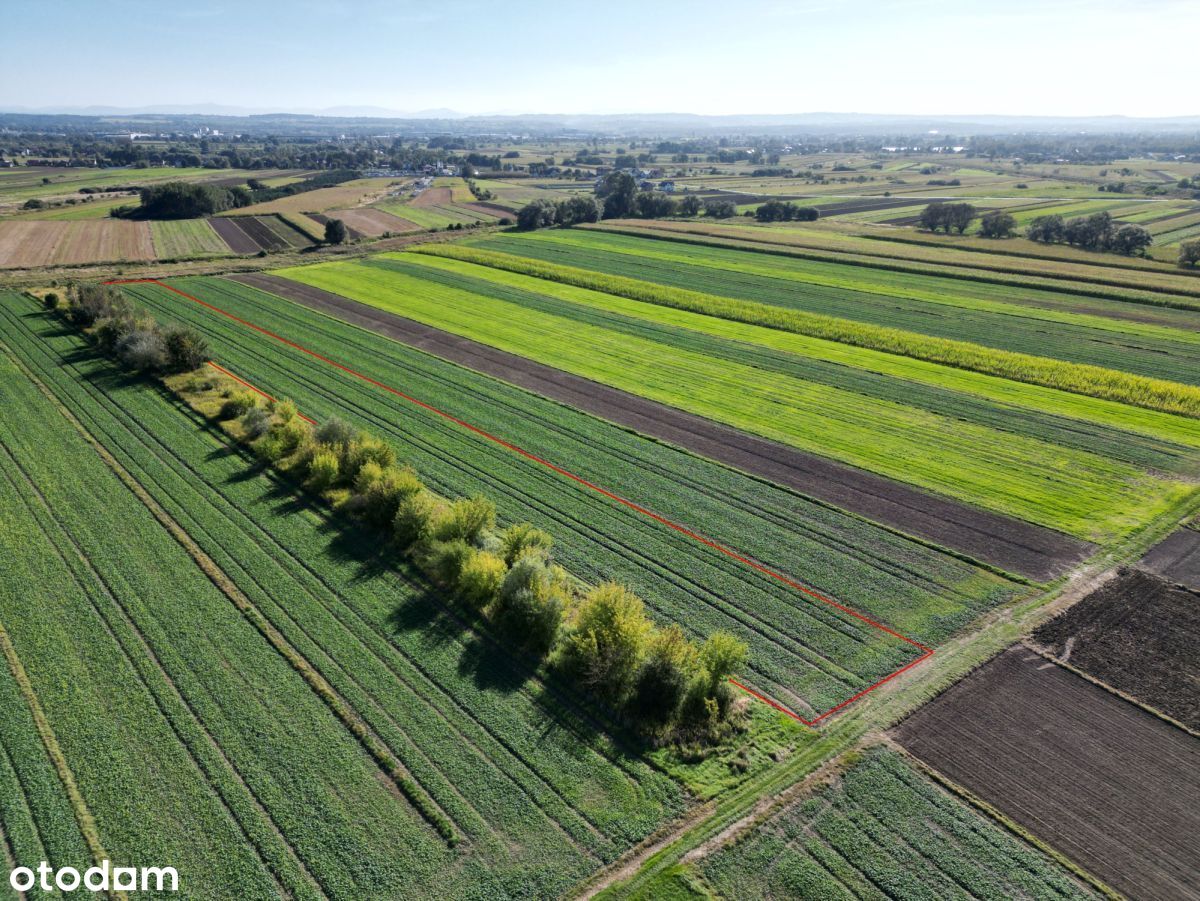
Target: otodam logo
{"x":102,"y":878}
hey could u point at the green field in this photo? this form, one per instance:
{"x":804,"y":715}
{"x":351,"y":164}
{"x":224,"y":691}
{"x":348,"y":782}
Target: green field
{"x":1075,"y":490}
{"x":186,"y":238}
{"x":538,"y":798}
{"x":801,"y":649}
{"x":883,"y":830}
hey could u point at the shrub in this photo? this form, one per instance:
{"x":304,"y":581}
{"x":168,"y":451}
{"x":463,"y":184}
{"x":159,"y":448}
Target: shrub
{"x":256,"y":421}
{"x":50,"y":300}
{"x":336,"y":432}
{"x":284,"y":410}
{"x":481,"y":577}
{"x":364,"y":449}
{"x":606,"y":645}
{"x":444,"y":560}
{"x":521,"y":539}
{"x":723,"y":655}
{"x":531,"y":604}
{"x":186,"y":349}
{"x":238,"y":404}
{"x":413,"y":516}
{"x":322,"y":469}
{"x":110,"y":332}
{"x":465,"y":520}
{"x":997,"y":224}
{"x":672,"y":662}
{"x":89,"y":303}
{"x":141,"y":350}
{"x":383,"y":489}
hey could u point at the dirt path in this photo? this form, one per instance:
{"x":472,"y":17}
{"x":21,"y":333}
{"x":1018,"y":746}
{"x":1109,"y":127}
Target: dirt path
{"x":1011,"y":544}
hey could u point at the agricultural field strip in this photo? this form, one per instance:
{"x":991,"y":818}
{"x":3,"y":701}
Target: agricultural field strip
{"x":97,"y":762}
{"x":882,"y":830}
{"x":599,"y":541}
{"x":762,"y":277}
{"x":1088,"y":497}
{"x":1014,"y":545}
{"x":1144,"y":437}
{"x":1061,"y":277}
{"x":926,"y":651}
{"x":294,"y":786}
{"x":185,"y":237}
{"x":365,"y":643}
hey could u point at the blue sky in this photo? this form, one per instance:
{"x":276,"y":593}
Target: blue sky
{"x":1055,"y":57}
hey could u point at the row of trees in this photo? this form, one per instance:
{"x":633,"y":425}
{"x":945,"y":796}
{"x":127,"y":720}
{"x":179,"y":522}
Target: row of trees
{"x":947,"y":216}
{"x":1095,"y":232}
{"x":182,"y":200}
{"x":601,"y":637}
{"x":785,"y":211}
{"x":133,"y":336}
{"x":618,"y":197}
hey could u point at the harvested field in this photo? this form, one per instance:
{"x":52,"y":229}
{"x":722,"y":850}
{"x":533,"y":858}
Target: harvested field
{"x":433,"y":197}
{"x":372,"y":223}
{"x":351,"y":193}
{"x":1107,"y":784}
{"x":1012,"y":544}
{"x":234,"y":235}
{"x":1176,"y":558}
{"x":1138,"y":634}
{"x":41,"y":243}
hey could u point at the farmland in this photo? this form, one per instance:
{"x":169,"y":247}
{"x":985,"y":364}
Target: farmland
{"x":27,"y":243}
{"x":1035,"y":740}
{"x":809,"y":654}
{"x":531,"y":316}
{"x":883,"y":830}
{"x":467,"y":730}
{"x":185,"y":238}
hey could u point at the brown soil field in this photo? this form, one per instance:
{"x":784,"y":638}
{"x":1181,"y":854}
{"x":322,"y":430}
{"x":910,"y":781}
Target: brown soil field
{"x":1176,"y":558}
{"x":233,"y":235}
{"x":1138,"y":634}
{"x":372,"y":223}
{"x":60,"y":243}
{"x":1012,"y":544}
{"x":433,"y":197}
{"x":1109,"y":785}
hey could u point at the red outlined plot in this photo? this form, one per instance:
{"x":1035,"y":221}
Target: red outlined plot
{"x":926,"y":652}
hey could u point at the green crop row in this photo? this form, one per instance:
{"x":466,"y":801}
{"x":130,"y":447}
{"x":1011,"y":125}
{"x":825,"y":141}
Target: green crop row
{"x":1152,"y":393}
{"x":506,"y":757}
{"x":1087,"y":495}
{"x":884,"y":828}
{"x":797,"y":647}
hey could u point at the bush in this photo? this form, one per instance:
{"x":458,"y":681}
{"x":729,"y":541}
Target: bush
{"x":323,"y":469}
{"x":112,"y":331}
{"x":414,"y":514}
{"x":606,"y":646}
{"x":50,"y":301}
{"x":142,"y":350}
{"x":238,"y":404}
{"x":256,"y":421}
{"x":336,"y":432}
{"x":382,"y":489}
{"x":466,"y":519}
{"x":186,"y":349}
{"x":445,"y":560}
{"x":89,"y":303}
{"x":365,"y":449}
{"x":284,"y":410}
{"x":531,"y":604}
{"x":521,"y":539}
{"x":481,"y":577}
{"x":672,"y":663}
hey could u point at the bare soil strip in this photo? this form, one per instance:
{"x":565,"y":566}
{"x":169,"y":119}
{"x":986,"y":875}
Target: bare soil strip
{"x":1103,"y":781}
{"x":1138,"y":634}
{"x":433,"y":197}
{"x":1176,"y":558}
{"x":1011,"y":544}
{"x":232,"y":234}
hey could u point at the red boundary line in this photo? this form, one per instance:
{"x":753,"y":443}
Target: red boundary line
{"x":683,"y":530}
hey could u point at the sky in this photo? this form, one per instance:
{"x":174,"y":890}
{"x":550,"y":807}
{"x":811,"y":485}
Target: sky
{"x":1010,"y":57}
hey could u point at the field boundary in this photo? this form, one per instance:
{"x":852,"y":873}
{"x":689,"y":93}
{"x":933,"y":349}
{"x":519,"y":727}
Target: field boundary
{"x":926,"y":652}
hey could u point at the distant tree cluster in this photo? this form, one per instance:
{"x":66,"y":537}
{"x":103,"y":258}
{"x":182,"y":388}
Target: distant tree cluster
{"x":997,"y":224}
{"x":181,"y":200}
{"x":1095,"y":232}
{"x":785,"y":211}
{"x":335,"y":231}
{"x":543,"y":213}
{"x":1189,"y":253}
{"x":947,"y":216}
{"x":618,"y":197}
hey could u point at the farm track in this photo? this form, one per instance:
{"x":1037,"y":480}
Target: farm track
{"x":1005,"y":542}
{"x":369,"y":646}
{"x":1096,"y":777}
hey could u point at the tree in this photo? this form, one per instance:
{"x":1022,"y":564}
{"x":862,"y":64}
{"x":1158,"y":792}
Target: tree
{"x":531,"y":603}
{"x":579,"y":208}
{"x":618,"y":190}
{"x":538,"y":214}
{"x":1189,"y":253}
{"x":997,"y":224}
{"x":689,"y":205}
{"x":671,"y":663}
{"x":606,"y":646}
{"x":654,"y":205}
{"x":335,"y":231}
{"x":186,"y":349}
{"x":1046,"y":229}
{"x":1130,"y":240}
{"x":720,"y":209}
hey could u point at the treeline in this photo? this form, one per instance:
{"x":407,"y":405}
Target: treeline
{"x":785,"y":211}
{"x":617,"y":197}
{"x":134,"y":337}
{"x":1095,"y":232}
{"x":182,"y":200}
{"x":656,"y":679}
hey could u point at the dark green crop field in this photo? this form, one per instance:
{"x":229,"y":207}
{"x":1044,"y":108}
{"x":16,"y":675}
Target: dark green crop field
{"x":806,"y":652}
